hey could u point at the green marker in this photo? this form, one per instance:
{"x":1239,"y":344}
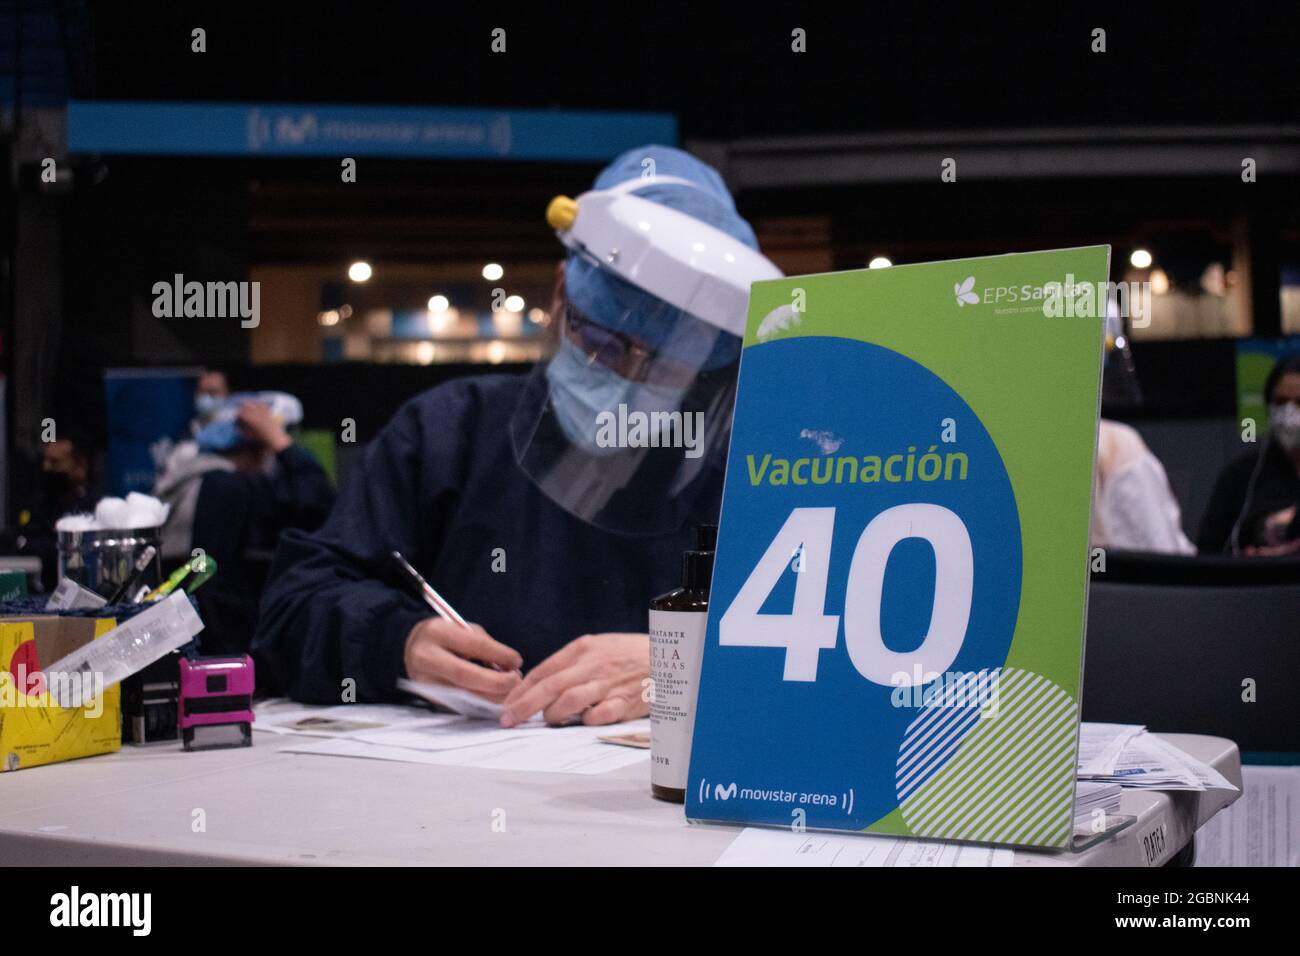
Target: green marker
{"x":207,"y":569}
{"x":169,"y":585}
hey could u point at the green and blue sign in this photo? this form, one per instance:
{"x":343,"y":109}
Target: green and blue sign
{"x":896,"y":618}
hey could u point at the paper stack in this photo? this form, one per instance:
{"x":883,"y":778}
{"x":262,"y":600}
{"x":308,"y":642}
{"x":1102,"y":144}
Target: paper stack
{"x":1093,"y":800}
{"x":416,"y":735}
{"x":1125,"y":754}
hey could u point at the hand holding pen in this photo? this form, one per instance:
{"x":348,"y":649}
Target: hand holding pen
{"x":447,"y":649}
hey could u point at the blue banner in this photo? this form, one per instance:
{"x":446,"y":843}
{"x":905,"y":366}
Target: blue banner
{"x":278,"y":129}
{"x":148,"y":410}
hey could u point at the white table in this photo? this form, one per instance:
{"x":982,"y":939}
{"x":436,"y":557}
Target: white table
{"x":260,"y":805}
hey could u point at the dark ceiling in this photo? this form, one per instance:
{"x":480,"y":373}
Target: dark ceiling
{"x":728,"y":71}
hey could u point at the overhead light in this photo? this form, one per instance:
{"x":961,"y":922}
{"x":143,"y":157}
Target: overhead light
{"x":880,"y":262}
{"x":439,"y":303}
{"x":1140,"y":259}
{"x":442,"y":319}
{"x":359,"y":271}
{"x":1159,"y":281}
{"x":536,"y":316}
{"x":514,"y":303}
{"x":492,"y":272}
{"x":328,"y":317}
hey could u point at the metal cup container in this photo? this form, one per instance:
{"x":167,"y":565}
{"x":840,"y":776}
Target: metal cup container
{"x":102,"y":560}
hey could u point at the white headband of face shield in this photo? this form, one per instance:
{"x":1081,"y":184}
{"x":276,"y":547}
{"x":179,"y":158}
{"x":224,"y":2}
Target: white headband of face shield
{"x":675,"y":257}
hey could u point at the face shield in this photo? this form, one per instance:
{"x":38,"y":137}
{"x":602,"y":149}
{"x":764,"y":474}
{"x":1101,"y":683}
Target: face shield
{"x":626,"y":425}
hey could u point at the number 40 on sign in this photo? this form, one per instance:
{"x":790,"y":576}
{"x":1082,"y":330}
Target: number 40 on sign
{"x":808,"y":630}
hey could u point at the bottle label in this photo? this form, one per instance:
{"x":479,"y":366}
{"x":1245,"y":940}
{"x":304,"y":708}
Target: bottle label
{"x":676,"y":645}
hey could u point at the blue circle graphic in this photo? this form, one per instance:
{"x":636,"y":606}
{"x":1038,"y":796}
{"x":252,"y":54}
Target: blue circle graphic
{"x":834,"y":398}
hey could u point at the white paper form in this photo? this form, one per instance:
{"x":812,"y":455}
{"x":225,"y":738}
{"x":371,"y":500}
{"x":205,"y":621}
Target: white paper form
{"x":455,"y":699}
{"x":532,"y":748}
{"x":283,"y":716}
{"x":1153,"y":764}
{"x":450,"y":732}
{"x":1260,"y":829}
{"x":758,"y":846}
{"x":391,"y":725}
{"x":1100,"y":746}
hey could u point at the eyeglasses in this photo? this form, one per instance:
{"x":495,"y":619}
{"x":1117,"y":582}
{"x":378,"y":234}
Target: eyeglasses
{"x":630,"y":358}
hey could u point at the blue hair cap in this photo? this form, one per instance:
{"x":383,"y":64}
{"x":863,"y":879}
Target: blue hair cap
{"x":613,"y":302}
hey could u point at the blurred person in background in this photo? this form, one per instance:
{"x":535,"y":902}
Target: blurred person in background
{"x":210,"y":392}
{"x":1134,"y":508}
{"x":182,"y":464}
{"x":66,"y":466}
{"x":68,"y":483}
{"x":1253,"y":509}
{"x":233,"y":491}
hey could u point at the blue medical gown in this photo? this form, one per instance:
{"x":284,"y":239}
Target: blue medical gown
{"x":441,"y":485}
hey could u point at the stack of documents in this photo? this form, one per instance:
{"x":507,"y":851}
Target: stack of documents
{"x":1092,"y":799}
{"x":1100,"y":746}
{"x":416,"y":735}
{"x":1125,"y":754}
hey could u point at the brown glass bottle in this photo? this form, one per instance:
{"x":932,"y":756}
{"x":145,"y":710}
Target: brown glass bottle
{"x":677,"y":623}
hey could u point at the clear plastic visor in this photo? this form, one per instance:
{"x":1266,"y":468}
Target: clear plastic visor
{"x":626,"y":425}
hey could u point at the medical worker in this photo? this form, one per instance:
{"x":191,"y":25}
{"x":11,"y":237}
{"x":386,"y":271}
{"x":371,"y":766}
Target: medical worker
{"x":534,"y":504}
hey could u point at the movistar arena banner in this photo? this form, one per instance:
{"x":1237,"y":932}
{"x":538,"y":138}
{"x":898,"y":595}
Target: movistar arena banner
{"x":278,"y":129}
{"x":896,"y":619}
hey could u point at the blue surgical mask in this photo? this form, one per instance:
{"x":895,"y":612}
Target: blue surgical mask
{"x":206,"y":405}
{"x":581,"y":390}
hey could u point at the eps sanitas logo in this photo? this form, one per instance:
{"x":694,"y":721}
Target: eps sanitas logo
{"x":964,"y":291}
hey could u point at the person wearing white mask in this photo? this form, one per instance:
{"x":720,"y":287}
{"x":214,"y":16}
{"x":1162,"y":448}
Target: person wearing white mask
{"x":181,"y":466}
{"x":210,"y":393}
{"x":1253,"y":509}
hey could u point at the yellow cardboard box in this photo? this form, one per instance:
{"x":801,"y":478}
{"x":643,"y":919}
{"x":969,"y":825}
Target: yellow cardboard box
{"x":33,"y":729}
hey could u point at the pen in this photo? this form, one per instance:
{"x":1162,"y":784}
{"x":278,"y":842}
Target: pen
{"x":431,"y":597}
{"x":126,"y":587}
